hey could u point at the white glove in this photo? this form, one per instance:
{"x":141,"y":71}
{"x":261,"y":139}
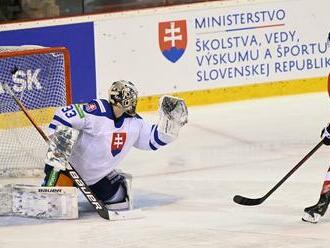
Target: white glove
{"x":55,"y":160}
{"x":173,"y":115}
{"x":60,"y":147}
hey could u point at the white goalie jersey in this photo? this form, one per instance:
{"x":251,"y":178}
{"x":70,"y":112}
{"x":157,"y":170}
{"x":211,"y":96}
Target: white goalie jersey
{"x":103,"y":141}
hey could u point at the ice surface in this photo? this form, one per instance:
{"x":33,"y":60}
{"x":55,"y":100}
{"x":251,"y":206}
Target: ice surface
{"x":186,"y":189}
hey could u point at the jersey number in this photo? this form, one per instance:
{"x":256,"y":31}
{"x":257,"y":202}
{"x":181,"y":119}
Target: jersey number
{"x":69,"y":111}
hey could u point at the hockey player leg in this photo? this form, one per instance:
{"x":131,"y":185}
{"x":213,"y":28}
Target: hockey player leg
{"x":124,"y":210}
{"x":315,"y":212}
{"x":122,"y":199}
{"x":115,"y":192}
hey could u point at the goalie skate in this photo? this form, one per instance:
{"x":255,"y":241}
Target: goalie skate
{"x":315,"y":212}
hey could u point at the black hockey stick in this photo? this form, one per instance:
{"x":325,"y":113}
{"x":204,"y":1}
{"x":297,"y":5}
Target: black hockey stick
{"x":79,"y":182}
{"x":256,"y":201}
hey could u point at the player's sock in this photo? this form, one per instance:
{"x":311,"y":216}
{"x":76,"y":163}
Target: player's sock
{"x":315,"y":212}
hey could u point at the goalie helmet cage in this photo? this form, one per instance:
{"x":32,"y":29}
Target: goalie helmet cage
{"x":40,"y":78}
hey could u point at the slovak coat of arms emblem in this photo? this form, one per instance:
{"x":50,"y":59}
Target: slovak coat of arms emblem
{"x":172,"y":39}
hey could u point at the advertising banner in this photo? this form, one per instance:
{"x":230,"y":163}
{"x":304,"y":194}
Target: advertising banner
{"x":216,"y":45}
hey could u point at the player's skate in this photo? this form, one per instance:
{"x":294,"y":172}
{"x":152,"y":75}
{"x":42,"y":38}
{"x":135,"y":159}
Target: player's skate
{"x":315,"y":212}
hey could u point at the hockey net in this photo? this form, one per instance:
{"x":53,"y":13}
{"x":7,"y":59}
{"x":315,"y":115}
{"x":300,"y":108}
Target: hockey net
{"x":40,"y":78}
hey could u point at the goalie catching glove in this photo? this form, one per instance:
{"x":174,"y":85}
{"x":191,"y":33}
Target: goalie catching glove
{"x":60,"y":148}
{"x":173,"y":115}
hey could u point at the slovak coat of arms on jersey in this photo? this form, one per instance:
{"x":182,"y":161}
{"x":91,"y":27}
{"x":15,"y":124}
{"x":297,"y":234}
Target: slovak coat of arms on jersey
{"x":117,"y":143}
{"x":172,"y":38}
{"x":90,"y":107}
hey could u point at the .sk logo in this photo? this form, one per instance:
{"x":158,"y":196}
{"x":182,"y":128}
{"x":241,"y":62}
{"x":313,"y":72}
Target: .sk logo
{"x":24,"y":80}
{"x":172,"y":39}
{"x":117,"y":144}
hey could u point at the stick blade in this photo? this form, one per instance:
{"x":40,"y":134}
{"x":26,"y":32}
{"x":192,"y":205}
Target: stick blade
{"x":125,"y":214}
{"x":241,"y":200}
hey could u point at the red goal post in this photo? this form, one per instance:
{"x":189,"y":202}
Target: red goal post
{"x":40,"y":78}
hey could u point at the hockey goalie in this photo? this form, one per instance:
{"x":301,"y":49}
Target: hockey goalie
{"x":94,"y":138}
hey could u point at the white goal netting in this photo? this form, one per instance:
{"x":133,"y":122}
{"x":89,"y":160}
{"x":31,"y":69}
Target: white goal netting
{"x":40,"y":78}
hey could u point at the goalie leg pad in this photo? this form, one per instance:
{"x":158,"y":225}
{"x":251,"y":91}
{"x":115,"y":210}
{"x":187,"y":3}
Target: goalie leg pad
{"x":115,"y":190}
{"x":6,"y":200}
{"x":126,"y":192}
{"x":39,"y":202}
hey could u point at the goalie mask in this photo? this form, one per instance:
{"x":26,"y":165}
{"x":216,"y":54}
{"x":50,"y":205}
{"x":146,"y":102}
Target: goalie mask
{"x":124,"y":94}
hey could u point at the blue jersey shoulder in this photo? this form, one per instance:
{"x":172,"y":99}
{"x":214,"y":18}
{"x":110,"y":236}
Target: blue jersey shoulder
{"x":138,"y":116}
{"x":99,"y":107}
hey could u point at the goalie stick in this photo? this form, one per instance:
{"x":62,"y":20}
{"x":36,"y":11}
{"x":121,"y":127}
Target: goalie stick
{"x":90,"y":196}
{"x":257,"y":201}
